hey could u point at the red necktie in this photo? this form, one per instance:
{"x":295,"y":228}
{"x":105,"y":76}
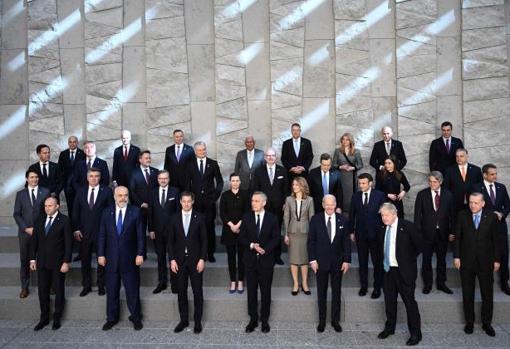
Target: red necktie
{"x":125,"y":153}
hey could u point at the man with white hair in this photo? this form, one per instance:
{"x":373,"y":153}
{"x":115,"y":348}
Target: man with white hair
{"x":125,"y":160}
{"x":386,"y":147}
{"x":91,"y":160}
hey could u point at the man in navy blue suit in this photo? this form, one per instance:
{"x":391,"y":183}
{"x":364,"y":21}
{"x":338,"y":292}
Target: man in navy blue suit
{"x":329,"y":252}
{"x":120,"y":249}
{"x":297,"y":154}
{"x":91,"y":160}
{"x":125,"y":160}
{"x":364,"y":222}
{"x":89,"y":204}
{"x":497,"y":200}
{"x":176,"y":160}
{"x":443,"y":149}
{"x":386,"y":147}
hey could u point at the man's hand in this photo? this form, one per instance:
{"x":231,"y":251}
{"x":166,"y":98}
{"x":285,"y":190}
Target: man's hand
{"x":64,"y":268}
{"x":456,"y":263}
{"x":345,"y":267}
{"x":29,"y":231}
{"x":451,"y":238}
{"x":353,"y":238}
{"x":144,"y":205}
{"x":254,"y":245}
{"x":499,"y":214}
{"x":338,"y":210}
{"x":78,"y":235}
{"x":392,"y":197}
{"x":101,"y":261}
{"x":315,"y":266}
{"x":496,"y":266}
{"x":260,"y":250}
{"x":173,"y":266}
{"x":33,"y":265}
{"x":139,"y":260}
{"x":401,"y":195}
{"x":200,"y":265}
{"x":152,"y":235}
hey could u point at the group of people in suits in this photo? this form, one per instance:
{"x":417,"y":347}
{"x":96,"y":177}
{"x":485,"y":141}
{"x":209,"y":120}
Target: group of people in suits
{"x":177,"y":206}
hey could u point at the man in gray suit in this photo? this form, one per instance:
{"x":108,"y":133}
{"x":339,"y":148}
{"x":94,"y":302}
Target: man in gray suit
{"x":28,"y":206}
{"x":247,"y":161}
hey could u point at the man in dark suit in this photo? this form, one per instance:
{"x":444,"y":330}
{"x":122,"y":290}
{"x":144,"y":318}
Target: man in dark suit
{"x":66,"y":161}
{"x":433,"y":217}
{"x":329,"y":252}
{"x":28,"y":206}
{"x":201,"y":175}
{"x":443,"y":149}
{"x":125,"y":160}
{"x":386,"y":147}
{"x":297,"y":154}
{"x":325,"y":180}
{"x":176,"y":160}
{"x":399,"y":244}
{"x":460,"y":178}
{"x":91,"y":160}
{"x":271,"y":179}
{"x":144,"y":178}
{"x":50,"y":255}
{"x":89,"y":204}
{"x":364,"y":220}
{"x":163,"y":204}
{"x":187,"y":252}
{"x":120,"y":249}
{"x":476,"y":255}
{"x":259,"y":235}
{"x":247,"y":161}
{"x":496,"y":199}
{"x":48,"y":171}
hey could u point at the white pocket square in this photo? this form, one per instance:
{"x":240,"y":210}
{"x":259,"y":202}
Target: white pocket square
{"x":279,"y":177}
{"x":171,"y":199}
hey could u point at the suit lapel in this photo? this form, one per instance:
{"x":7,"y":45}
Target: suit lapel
{"x":53,"y":225}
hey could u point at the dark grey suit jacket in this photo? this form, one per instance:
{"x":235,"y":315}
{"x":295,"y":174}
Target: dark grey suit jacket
{"x":24,"y":213}
{"x":243,"y":169}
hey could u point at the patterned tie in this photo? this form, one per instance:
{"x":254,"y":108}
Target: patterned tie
{"x":33,"y":197}
{"x":325,"y":183}
{"x":476,"y":220}
{"x":178,"y":156}
{"x":186,"y":223}
{"x":365,"y":202}
{"x":492,"y":194}
{"x":163,"y":198}
{"x":119,"y":223}
{"x":328,"y":227}
{"x":437,"y":199}
{"x":147,"y":175}
{"x":258,"y":225}
{"x":48,"y":226}
{"x":271,"y":175}
{"x":44,"y":170}
{"x":91,"y":199}
{"x":448,"y":145}
{"x":387,"y":243}
{"x":201,"y":167}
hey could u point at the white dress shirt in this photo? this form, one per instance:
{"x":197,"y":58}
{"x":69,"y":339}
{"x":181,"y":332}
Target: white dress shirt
{"x":368,"y":192}
{"x":203,"y":161}
{"x":47,"y":163}
{"x":92,"y":159}
{"x":96,"y":189}
{"x":29,"y":188}
{"x":393,"y":244}
{"x":434,"y":197}
{"x":124,"y":148}
{"x":120,"y":210}
{"x":296,"y":144}
{"x":250,"y":154}
{"x":269,"y":172}
{"x":177,"y":148}
{"x":261,"y":220}
{"x":161,"y":192}
{"x":487,"y":186}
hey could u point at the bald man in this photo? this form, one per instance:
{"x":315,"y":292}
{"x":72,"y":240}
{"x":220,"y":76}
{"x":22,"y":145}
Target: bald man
{"x":386,"y":147}
{"x":66,"y":161}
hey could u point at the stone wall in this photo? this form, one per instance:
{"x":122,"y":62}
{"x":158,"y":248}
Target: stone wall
{"x":223,"y":69}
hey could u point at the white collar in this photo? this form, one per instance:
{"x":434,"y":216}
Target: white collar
{"x":487,"y":184}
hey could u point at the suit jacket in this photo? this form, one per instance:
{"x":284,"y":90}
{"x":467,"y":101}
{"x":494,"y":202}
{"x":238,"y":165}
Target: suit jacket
{"x":329,"y":255}
{"x":409,"y":244}
{"x":178,"y":169}
{"x":379,"y":154}
{"x":460,"y":189}
{"x":203,"y":186}
{"x":364,"y":221}
{"x":277,"y":192}
{"x":87,"y":220}
{"x":502,"y":201}
{"x":121,"y":249}
{"x":477,"y":248}
{"x":243,"y":169}
{"x":195,"y":242}
{"x":159,"y":216}
{"x":290,"y":215}
{"x":305,"y":157}
{"x":24,"y":213}
{"x":80,"y":173}
{"x":268,"y":239}
{"x":66,"y":167}
{"x":122,"y":169}
{"x":56,"y":248}
{"x":316,"y":191}
{"x":427,"y":220}
{"x":54,"y":180}
{"x":139,"y":189}
{"x":439,"y":158}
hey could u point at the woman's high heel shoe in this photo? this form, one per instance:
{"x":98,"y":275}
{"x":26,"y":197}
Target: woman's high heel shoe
{"x":307,"y":292}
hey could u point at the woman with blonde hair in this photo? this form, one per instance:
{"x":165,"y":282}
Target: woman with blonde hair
{"x":298,"y":210}
{"x":347,"y":159}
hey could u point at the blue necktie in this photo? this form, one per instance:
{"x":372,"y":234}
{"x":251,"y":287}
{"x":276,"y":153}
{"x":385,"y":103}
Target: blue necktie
{"x":48,"y":227}
{"x":387,"y":242}
{"x":186,"y":223}
{"x":476,"y":220}
{"x":325,"y":183}
{"x":119,"y":223}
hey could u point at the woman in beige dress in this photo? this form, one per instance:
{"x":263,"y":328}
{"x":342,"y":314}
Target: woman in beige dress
{"x":298,"y":210}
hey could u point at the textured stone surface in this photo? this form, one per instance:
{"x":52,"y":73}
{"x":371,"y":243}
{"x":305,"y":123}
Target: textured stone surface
{"x":13,"y":84}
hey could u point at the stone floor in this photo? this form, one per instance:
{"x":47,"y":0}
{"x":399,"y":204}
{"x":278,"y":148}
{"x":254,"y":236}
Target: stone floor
{"x":88,"y":334}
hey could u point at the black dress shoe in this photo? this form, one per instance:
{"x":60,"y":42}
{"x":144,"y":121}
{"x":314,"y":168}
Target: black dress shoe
{"x":427,"y":289}
{"x":174,"y":291}
{"x":413,"y":340}
{"x":137,"y":325}
{"x":109,"y":325}
{"x":265,"y":327}
{"x":159,"y":288}
{"x":376,"y":293}
{"x":489,"y":330}
{"x":468,"y":329}
{"x":41,"y":325}
{"x":307,"y":292}
{"x":198,"y":328}
{"x":56,"y":324}
{"x":362,"y":292}
{"x":85,"y":291}
{"x":279,"y":261}
{"x":212,"y":259}
{"x":251,"y":326}
{"x":385,"y":333}
{"x":321,"y":327}
{"x":181,"y":326}
{"x":444,"y":288}
{"x":336,"y":326}
{"x":101,"y":290}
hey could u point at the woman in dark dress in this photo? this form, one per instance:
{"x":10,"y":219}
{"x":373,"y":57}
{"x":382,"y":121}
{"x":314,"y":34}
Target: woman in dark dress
{"x":393,"y":183}
{"x":234,"y":203}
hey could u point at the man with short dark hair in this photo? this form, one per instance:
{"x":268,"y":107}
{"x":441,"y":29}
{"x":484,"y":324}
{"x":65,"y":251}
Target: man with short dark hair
{"x":247,"y":161}
{"x":176,"y":160}
{"x":48,"y":171}
{"x":325,"y":180}
{"x":443,"y":149}
{"x":125,"y":160}
{"x":297,"y":154}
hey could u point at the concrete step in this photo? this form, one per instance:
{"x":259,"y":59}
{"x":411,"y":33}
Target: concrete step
{"x":215,"y":275}
{"x":435,"y":308}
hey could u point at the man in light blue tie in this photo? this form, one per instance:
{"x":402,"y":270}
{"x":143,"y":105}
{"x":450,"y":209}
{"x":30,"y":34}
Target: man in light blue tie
{"x":400,"y":244}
